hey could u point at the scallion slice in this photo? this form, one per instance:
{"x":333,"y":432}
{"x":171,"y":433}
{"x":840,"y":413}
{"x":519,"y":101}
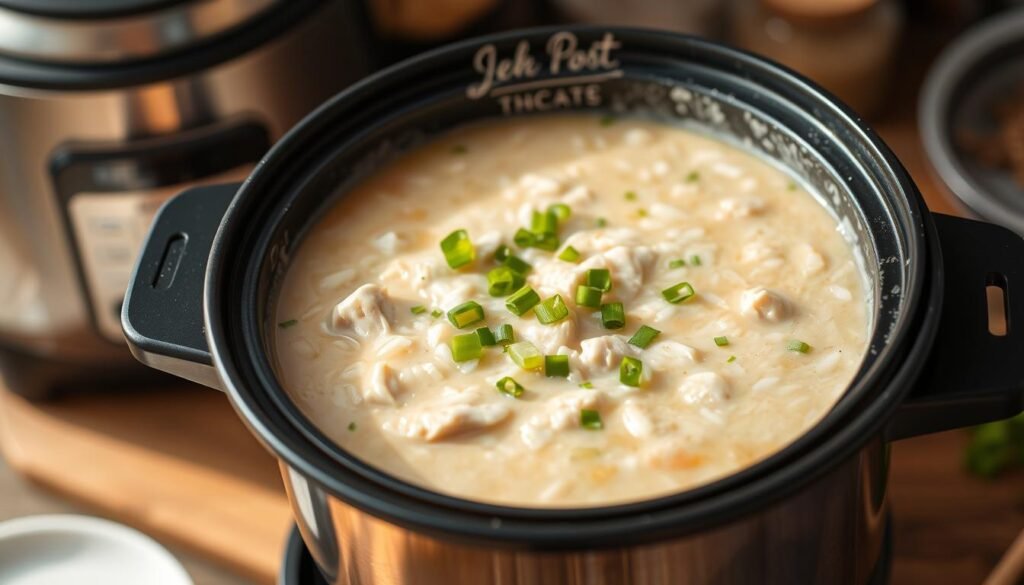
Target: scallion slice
{"x":798,"y":346}
{"x":544,"y":222}
{"x":591,"y":420}
{"x":486,"y":337}
{"x":556,"y":366}
{"x":644,"y":336}
{"x":510,"y":387}
{"x":466,"y":347}
{"x":587,"y":385}
{"x":417,"y":310}
{"x":631,"y":371}
{"x":731,"y":359}
{"x":503,"y":281}
{"x":613,"y":316}
{"x":466,"y":314}
{"x":522,"y":301}
{"x":722,"y":341}
{"x":552,"y":310}
{"x":548,"y":242}
{"x":588,"y":296}
{"x":524,"y":238}
{"x":501,"y":253}
{"x":641,"y":212}
{"x":677,"y":263}
{"x":569,"y":254}
{"x":630,"y":195}
{"x":692,"y":177}
{"x":458,"y":249}
{"x":695,"y":260}
{"x":505,"y":334}
{"x":678,"y":293}
{"x":526,"y":355}
{"x":518,"y":264}
{"x":436,"y":313}
{"x":288,"y":323}
{"x":561,"y":211}
{"x":599,"y":278}
{"x":601,"y":222}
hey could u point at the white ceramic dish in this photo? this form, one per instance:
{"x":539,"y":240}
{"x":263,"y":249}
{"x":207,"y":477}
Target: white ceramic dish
{"x":44,"y":550}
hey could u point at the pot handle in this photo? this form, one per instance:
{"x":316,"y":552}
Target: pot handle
{"x":162,"y":316}
{"x":973,"y":375}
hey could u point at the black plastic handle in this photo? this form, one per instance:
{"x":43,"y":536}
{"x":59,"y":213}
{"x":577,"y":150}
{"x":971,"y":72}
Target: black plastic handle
{"x":972,"y":375}
{"x":162,"y":315}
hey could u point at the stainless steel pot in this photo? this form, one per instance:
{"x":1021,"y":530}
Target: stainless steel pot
{"x":205,"y":287}
{"x":107,"y":108}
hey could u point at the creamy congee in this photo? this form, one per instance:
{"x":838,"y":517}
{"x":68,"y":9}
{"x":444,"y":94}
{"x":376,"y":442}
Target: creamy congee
{"x":570,"y":311}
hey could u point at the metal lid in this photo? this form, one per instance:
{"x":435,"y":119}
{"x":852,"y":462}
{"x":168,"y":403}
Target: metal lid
{"x":110,"y":31}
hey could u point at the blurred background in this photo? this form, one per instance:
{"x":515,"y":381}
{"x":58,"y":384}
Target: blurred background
{"x":108,"y":107}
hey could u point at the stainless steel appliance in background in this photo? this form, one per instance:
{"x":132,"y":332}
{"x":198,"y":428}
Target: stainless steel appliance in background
{"x":108,"y":107}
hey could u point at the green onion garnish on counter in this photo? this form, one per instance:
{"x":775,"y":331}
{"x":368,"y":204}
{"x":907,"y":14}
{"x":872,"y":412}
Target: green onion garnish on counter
{"x":466,"y":314}
{"x":418,"y":310}
{"x":591,"y":420}
{"x":798,"y":346}
{"x":526,"y":355}
{"x":486,"y":337}
{"x":522,"y":301}
{"x":552,"y":310}
{"x":505,"y":334}
{"x":631,"y":371}
{"x":644,"y":336}
{"x":678,"y":293}
{"x":677,"y":263}
{"x":556,"y":366}
{"x":613,"y":316}
{"x":561,"y":211}
{"x":588,"y":296}
{"x":569,"y":254}
{"x":510,"y":387}
{"x":288,"y":323}
{"x":503,"y":281}
{"x":599,"y":278}
{"x":458,"y":249}
{"x":722,"y":341}
{"x":466,"y":347}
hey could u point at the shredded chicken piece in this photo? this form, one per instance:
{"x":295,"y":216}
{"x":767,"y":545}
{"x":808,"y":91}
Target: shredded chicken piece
{"x":764,"y":304}
{"x":705,"y":388}
{"x":365,"y":312}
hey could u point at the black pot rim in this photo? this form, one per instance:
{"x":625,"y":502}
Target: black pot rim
{"x":891,"y":376}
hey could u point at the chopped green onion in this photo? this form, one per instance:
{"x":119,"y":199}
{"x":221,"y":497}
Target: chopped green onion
{"x":505,"y":334}
{"x":677,"y":263}
{"x":678,"y":293}
{"x":556,"y":366}
{"x":569,"y":254}
{"x":695,"y":260}
{"x":641,"y":212}
{"x":548,"y":242}
{"x":588,"y":296}
{"x":599,"y":278}
{"x":288,"y":323}
{"x":644,"y":336}
{"x":607,"y":120}
{"x":458,"y":250}
{"x":544,"y":222}
{"x":417,"y":310}
{"x":526,"y":355}
{"x":510,"y":387}
{"x":522,"y":301}
{"x":466,"y":314}
{"x":731,"y":359}
{"x":601,"y":222}
{"x":588,"y":385}
{"x":552,"y":310}
{"x":722,"y":341}
{"x":613,"y":316}
{"x":561,"y":211}
{"x":352,"y":426}
{"x":459,"y":149}
{"x":630,"y":195}
{"x":501,"y":253}
{"x":591,"y":420}
{"x":692,"y":177}
{"x":798,"y":346}
{"x":486,"y":337}
{"x":631,"y":371}
{"x":524,"y":238}
{"x":436,"y":313}
{"x":466,"y":347}
{"x":503,"y":281}
{"x":518,"y":264}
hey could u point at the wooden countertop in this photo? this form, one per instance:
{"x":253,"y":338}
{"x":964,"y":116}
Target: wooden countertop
{"x":180,"y":465}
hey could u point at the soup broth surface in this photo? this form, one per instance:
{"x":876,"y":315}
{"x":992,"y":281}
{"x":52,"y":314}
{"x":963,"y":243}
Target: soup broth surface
{"x":771,"y":336}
